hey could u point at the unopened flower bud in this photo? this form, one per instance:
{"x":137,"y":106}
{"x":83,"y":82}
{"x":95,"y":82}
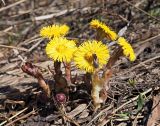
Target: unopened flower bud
{"x":61,"y":97}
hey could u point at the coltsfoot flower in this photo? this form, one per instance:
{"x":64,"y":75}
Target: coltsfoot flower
{"x":127,"y":48}
{"x":104,"y":28}
{"x":84,"y":56}
{"x":54,"y":31}
{"x":61,"y":49}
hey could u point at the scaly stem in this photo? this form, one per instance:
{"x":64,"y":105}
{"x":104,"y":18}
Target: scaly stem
{"x":68,"y":73}
{"x":61,"y":84}
{"x":44,"y":86}
{"x":33,"y":70}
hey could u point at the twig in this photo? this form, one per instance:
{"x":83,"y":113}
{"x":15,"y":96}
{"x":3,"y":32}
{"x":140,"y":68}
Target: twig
{"x":4,"y":122}
{"x":149,"y":39}
{"x":12,"y":5}
{"x":35,"y":45}
{"x":8,"y":33}
{"x":13,"y":47}
{"x":23,"y":117}
{"x":142,"y":10}
{"x":105,"y":121}
{"x":62,"y":12}
{"x":19,"y":56}
{"x":126,"y":119}
{"x":67,"y":116}
{"x":139,"y":3}
{"x":3,"y":2}
{"x":99,"y":114}
{"x":71,"y":120}
{"x":140,"y":64}
{"x":30,"y":40}
{"x":45,"y":17}
{"x":135,"y":120}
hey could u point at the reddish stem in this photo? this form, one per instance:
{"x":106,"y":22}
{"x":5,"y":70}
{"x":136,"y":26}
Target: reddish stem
{"x":57,"y":67}
{"x":44,"y":86}
{"x":68,"y":72}
{"x":33,"y":70}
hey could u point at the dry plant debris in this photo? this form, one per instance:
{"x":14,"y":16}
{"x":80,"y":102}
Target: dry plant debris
{"x":154,"y":117}
{"x":87,"y":81}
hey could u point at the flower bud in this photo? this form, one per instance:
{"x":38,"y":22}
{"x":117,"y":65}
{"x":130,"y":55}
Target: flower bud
{"x":61,"y":97}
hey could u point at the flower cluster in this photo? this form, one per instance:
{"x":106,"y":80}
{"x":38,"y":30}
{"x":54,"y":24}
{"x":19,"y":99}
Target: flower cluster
{"x":63,"y":50}
{"x":91,"y":55}
{"x":59,"y":48}
{"x":127,"y":48}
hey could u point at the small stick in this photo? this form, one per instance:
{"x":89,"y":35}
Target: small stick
{"x":23,"y":117}
{"x":71,"y":120}
{"x":104,"y":121}
{"x":63,"y":113}
{"x":19,"y":56}
{"x":4,"y":122}
{"x":133,"y":99}
{"x":142,"y":10}
{"x":13,"y":47}
{"x":140,"y":64}
{"x":99,"y":114}
{"x":3,"y":2}
{"x":12,"y":5}
{"x":147,"y":40}
{"x":35,"y":45}
{"x":135,"y":120}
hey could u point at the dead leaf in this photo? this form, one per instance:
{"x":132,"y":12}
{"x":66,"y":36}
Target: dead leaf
{"x":155,"y":114}
{"x":77,"y":110}
{"x":1,"y":55}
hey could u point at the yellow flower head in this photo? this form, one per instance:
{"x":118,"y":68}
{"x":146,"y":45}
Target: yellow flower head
{"x":104,"y":28}
{"x":61,"y":49}
{"x":84,"y":55}
{"x":127,"y":48}
{"x":54,"y":31}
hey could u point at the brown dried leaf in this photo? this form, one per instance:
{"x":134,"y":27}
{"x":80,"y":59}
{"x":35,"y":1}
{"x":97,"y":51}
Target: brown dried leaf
{"x":74,"y":112}
{"x":155,"y":114}
{"x":77,"y":110}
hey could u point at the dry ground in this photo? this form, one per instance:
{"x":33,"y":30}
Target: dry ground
{"x":20,"y":23}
